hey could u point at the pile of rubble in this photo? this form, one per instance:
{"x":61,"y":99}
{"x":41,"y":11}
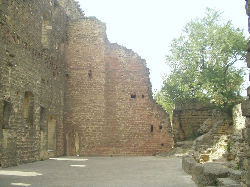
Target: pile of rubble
{"x":217,"y":156}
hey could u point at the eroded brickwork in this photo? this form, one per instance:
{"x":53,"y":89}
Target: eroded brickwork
{"x":72,"y":9}
{"x":188,"y":119}
{"x":137,"y":125}
{"x":64,"y":89}
{"x":32,"y":37}
{"x":84,"y":98}
{"x":108,"y":99}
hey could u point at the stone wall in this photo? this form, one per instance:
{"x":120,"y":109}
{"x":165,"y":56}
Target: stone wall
{"x":138,"y":125}
{"x":108,"y":99}
{"x":32,"y":36}
{"x":84,"y":98}
{"x":188,"y":118}
{"x":246,"y":112}
{"x":64,"y":89}
{"x":71,"y":8}
{"x":217,"y":157}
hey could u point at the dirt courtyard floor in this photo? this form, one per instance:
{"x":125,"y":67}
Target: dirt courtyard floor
{"x":99,"y":172}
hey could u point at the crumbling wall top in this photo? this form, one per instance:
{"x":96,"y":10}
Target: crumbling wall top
{"x":127,"y":51}
{"x":72,"y":8}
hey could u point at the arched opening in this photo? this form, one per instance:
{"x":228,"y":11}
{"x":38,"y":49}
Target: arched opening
{"x":7,"y":108}
{"x":72,"y":143}
{"x":46,"y":27}
{"x":52,"y":135}
{"x":28,"y":108}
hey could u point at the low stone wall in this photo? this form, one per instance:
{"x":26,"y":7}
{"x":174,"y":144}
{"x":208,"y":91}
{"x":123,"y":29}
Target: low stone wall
{"x":187,"y":119}
{"x":205,"y":174}
{"x":218,"y":157}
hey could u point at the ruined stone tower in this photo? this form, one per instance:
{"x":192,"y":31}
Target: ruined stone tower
{"x":66,"y":90}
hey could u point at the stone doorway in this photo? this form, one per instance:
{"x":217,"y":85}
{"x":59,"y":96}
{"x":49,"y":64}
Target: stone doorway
{"x":52,"y":136}
{"x":72,"y":143}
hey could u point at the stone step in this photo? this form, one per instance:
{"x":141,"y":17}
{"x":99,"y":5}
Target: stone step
{"x":235,"y":175}
{"x":211,"y":172}
{"x":227,"y":182}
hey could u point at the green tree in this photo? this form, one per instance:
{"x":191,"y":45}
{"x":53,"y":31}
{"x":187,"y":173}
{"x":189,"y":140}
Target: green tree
{"x":166,"y":104}
{"x":202,"y":62}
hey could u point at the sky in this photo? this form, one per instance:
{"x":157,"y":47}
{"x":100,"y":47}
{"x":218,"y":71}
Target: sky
{"x":148,"y":26}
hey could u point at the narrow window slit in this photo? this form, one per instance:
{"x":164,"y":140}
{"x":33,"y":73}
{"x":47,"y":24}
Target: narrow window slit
{"x":42,"y":118}
{"x":133,"y":96}
{"x":152,"y":128}
{"x":90,"y":74}
{"x":7,"y":108}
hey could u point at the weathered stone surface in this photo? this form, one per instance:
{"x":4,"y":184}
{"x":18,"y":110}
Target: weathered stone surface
{"x":210,"y":174}
{"x":206,"y":174}
{"x":72,"y":9}
{"x":31,"y":79}
{"x":108,"y":97}
{"x":248,"y":46}
{"x":213,"y":145}
{"x":212,"y":171}
{"x":188,"y":164}
{"x":235,"y":174}
{"x":206,"y":126}
{"x":227,"y":182}
{"x":197,"y":174}
{"x":246,"y":108}
{"x":187,"y":119}
{"x":65,"y":89}
{"x":245,"y":178}
{"x":247,"y":7}
{"x":248,"y":59}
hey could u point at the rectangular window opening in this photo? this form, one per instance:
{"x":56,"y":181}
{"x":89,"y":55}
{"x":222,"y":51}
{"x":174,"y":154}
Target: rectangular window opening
{"x":7,"y":108}
{"x":90,"y":74}
{"x":133,"y":96}
{"x":28,"y":107}
{"x":152,"y":128}
{"x":42,"y":122}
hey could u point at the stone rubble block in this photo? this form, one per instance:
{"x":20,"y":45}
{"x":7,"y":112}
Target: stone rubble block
{"x":212,"y":171}
{"x":188,"y":164}
{"x":227,"y":182}
{"x":235,"y":174}
{"x":246,"y":108}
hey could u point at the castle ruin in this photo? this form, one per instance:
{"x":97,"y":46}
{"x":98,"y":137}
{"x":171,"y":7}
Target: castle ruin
{"x":66,"y":90}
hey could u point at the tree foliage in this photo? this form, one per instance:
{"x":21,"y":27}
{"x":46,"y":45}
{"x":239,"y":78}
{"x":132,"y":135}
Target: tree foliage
{"x":202,"y":62}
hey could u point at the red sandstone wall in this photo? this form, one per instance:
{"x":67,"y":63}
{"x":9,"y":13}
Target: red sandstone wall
{"x":99,"y":108}
{"x":130,"y":119}
{"x":84,"y":98}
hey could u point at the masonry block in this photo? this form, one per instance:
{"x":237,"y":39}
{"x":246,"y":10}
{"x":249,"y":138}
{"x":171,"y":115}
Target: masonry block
{"x":248,"y":59}
{"x":246,"y":108}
